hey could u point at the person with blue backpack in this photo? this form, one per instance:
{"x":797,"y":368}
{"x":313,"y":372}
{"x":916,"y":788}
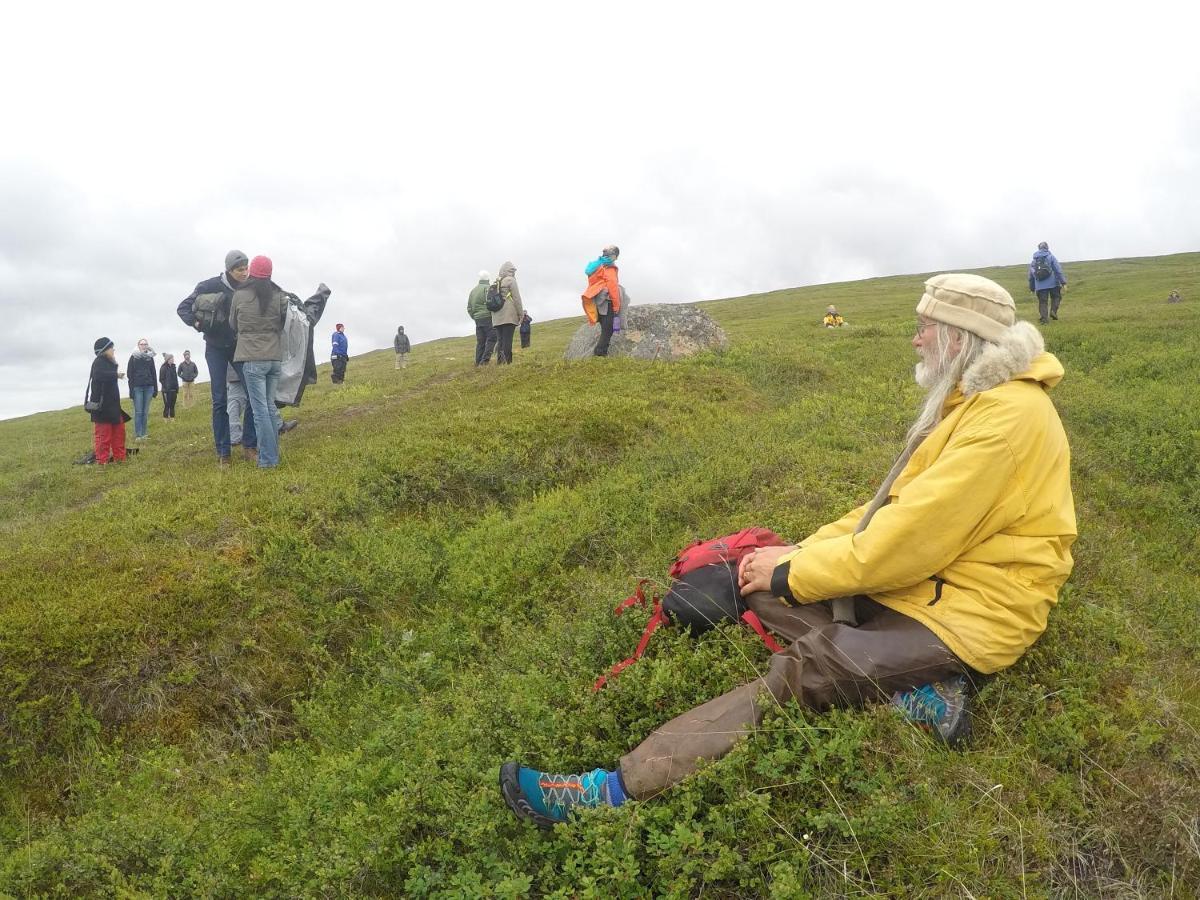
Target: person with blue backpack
{"x":947,"y":575}
{"x":1046,"y":278}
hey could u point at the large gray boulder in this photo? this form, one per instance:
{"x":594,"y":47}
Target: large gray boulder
{"x":664,"y":331}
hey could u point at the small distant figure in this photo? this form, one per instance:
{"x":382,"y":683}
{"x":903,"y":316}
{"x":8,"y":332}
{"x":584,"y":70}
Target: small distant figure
{"x":526,"y":330}
{"x":505,"y":319}
{"x":168,"y":380}
{"x":187,"y":374}
{"x":402,"y":345}
{"x":1174,"y":297}
{"x":340,"y":355}
{"x":103,"y":402}
{"x":602,"y":297}
{"x":1046,"y":278}
{"x":833,"y":318}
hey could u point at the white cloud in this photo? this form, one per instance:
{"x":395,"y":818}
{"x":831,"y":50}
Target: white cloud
{"x":727,"y":148}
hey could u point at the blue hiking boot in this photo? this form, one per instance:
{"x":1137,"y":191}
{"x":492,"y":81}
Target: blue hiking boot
{"x":547,"y":799}
{"x":941,"y":708}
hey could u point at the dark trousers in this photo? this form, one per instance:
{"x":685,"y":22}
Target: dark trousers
{"x":219,"y":360}
{"x":1054,"y":295}
{"x":169,"y":404}
{"x":825,"y":665}
{"x":339,"y":368}
{"x":524,"y":338}
{"x":504,"y":336}
{"x":485,"y":343}
{"x":606,"y":333}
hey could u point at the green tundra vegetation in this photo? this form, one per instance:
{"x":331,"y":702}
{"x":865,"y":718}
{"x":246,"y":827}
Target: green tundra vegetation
{"x":301,"y":682}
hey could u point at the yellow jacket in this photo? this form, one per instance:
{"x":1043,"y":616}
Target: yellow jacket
{"x":975,"y":539}
{"x":832,"y":320}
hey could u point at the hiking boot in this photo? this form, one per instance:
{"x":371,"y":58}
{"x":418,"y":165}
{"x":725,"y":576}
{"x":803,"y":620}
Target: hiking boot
{"x":1043,"y":321}
{"x":223,"y":462}
{"x":941,"y":708}
{"x":288,"y":425}
{"x":250,"y":454}
{"x":546,"y":799}
{"x":1054,"y":316}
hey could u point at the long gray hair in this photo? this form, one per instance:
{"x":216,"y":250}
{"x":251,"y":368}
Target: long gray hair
{"x":942,"y":376}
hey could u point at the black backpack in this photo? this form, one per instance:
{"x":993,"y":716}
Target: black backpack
{"x":210,"y":312}
{"x":1041,"y":268}
{"x":494,"y":300}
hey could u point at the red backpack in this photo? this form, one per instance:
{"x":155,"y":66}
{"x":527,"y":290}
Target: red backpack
{"x":703,"y":591}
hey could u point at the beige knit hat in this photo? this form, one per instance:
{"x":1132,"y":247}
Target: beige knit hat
{"x":971,"y":302}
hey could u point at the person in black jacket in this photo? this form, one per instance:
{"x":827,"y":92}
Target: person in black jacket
{"x":143,"y":387}
{"x":108,"y":428}
{"x":168,"y":380}
{"x":219,"y":342}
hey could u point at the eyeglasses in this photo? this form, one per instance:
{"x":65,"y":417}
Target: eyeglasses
{"x":921,"y":326}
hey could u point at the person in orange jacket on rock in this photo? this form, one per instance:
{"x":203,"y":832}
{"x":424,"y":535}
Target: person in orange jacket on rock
{"x":602,"y":299}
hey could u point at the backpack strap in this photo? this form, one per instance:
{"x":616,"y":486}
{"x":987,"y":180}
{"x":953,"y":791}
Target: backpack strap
{"x":657,"y":618}
{"x":751,"y":618}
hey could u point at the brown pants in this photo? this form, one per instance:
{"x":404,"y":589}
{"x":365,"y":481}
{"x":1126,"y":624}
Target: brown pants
{"x":825,"y":665}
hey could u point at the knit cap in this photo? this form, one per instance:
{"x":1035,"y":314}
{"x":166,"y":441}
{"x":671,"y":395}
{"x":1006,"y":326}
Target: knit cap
{"x":260,"y":267}
{"x":970,"y":302}
{"x":101,"y":345}
{"x":235,"y":259}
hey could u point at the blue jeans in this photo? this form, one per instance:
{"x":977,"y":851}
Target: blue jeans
{"x":219,"y":360}
{"x":141,"y":408}
{"x":261,"y":377}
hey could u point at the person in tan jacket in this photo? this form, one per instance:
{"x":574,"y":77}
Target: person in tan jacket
{"x":950,"y":571}
{"x":508,"y":317}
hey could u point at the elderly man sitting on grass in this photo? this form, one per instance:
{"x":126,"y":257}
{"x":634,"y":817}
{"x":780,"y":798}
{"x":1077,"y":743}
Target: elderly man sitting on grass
{"x":947,"y":574}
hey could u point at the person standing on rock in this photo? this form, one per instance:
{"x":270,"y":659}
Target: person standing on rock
{"x":187,"y":374}
{"x":506,"y":319}
{"x":485,"y":334}
{"x":340,"y":354}
{"x":602,"y":297}
{"x":403,"y":345}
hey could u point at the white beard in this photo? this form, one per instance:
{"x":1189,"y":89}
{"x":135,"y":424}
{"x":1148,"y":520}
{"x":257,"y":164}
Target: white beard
{"x":926,"y":375}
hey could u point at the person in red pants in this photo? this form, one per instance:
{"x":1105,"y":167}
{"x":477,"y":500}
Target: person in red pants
{"x":108,"y":418}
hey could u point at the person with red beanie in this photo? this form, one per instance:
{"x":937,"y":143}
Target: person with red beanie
{"x":259,"y":312}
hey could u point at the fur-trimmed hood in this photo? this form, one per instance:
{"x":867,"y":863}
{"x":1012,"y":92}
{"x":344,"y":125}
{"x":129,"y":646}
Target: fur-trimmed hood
{"x":1021,"y":354}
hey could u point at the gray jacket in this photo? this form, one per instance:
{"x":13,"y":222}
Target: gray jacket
{"x":259,"y":333}
{"x":512,"y":310}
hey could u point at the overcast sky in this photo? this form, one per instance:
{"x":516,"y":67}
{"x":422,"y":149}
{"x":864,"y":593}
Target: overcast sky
{"x":393,"y":151}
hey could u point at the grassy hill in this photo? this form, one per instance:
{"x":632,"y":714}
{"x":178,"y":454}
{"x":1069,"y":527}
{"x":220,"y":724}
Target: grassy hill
{"x":301,"y":682}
